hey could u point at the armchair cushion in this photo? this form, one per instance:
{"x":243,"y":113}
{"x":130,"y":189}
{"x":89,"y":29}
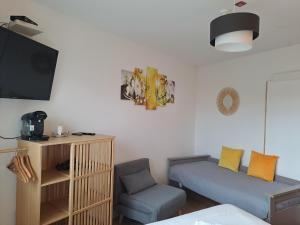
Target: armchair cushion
{"x":137,"y":182}
{"x":160,"y":201}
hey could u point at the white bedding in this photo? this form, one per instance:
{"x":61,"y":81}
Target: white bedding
{"x":218,"y":215}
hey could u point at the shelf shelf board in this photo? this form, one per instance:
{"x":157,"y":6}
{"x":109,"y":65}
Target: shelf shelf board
{"x":52,"y":212}
{"x":54,"y":176}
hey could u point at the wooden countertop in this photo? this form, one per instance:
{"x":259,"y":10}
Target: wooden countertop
{"x":70,"y":139}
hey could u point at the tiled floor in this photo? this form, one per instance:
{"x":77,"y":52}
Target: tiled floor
{"x":194,"y":203}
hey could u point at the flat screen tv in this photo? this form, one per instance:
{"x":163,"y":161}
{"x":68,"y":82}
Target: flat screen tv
{"x":26,"y":67}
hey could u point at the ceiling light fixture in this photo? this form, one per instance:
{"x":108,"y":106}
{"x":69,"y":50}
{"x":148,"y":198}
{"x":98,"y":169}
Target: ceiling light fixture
{"x":234,"y":32}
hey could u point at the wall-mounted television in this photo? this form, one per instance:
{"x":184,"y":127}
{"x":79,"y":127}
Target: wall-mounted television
{"x":27,"y":67}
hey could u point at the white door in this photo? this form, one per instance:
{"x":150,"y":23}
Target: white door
{"x":283,"y":125}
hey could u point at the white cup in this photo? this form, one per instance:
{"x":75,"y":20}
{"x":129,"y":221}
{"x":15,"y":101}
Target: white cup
{"x":59,"y":130}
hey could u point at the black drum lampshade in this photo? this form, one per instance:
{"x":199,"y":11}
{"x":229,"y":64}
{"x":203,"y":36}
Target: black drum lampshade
{"x":234,"y":32}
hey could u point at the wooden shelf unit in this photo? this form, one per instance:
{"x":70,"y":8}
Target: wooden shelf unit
{"x":82,"y":195}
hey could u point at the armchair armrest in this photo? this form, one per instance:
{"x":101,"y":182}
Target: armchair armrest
{"x":285,"y":206}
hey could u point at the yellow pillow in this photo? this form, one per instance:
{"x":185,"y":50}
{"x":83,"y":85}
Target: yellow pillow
{"x":231,"y":158}
{"x":262,"y":166}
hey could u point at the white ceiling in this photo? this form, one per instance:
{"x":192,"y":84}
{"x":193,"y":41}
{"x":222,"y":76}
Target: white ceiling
{"x":180,"y":28}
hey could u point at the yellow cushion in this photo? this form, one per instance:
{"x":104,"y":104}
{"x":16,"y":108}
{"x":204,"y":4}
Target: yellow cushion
{"x":262,"y":166}
{"x":231,"y":158}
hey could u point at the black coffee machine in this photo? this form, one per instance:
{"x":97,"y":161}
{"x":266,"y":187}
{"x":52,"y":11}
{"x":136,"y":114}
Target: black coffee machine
{"x":33,"y":126}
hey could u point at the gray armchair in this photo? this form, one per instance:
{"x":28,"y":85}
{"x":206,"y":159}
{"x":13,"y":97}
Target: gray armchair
{"x":152,"y":204}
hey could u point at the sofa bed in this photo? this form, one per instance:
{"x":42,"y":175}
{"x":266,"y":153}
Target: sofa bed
{"x":277,"y":202}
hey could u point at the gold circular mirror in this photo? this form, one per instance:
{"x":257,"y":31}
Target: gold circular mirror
{"x":228,"y":101}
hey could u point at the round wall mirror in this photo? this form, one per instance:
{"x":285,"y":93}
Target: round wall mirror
{"x":228,"y":101}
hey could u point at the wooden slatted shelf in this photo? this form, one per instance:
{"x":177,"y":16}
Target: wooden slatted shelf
{"x":52,"y":212}
{"x":81,"y":196}
{"x":91,"y":174}
{"x":54,"y":176}
{"x":92,"y":206}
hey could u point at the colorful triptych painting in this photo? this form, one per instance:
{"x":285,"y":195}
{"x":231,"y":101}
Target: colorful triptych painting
{"x":147,"y":87}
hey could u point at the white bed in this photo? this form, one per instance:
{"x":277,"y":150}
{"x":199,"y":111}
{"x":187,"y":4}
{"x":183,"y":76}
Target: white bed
{"x":218,"y":215}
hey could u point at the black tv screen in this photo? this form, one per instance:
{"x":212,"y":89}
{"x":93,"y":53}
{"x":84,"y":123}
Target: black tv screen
{"x":26,"y":67}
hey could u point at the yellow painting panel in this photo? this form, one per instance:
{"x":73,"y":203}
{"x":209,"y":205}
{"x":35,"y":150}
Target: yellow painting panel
{"x":151,"y":78}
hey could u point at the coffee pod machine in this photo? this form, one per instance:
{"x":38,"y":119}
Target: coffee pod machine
{"x":33,"y":126}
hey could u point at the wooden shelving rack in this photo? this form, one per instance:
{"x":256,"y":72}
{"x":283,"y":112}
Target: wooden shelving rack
{"x":82,"y":195}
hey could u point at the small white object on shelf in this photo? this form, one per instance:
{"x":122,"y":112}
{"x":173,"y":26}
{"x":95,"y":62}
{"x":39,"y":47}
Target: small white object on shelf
{"x":63,"y":134}
{"x":23,"y":28}
{"x":59,"y":130}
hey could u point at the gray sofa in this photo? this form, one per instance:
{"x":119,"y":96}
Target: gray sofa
{"x":155,"y":203}
{"x":277,"y":202}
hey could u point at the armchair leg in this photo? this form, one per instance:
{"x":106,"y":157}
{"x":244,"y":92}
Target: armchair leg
{"x":179,"y":212}
{"x":121,"y":217}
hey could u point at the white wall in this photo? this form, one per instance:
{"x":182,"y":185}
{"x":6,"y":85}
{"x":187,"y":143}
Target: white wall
{"x":248,"y":75}
{"x":86,"y":96}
